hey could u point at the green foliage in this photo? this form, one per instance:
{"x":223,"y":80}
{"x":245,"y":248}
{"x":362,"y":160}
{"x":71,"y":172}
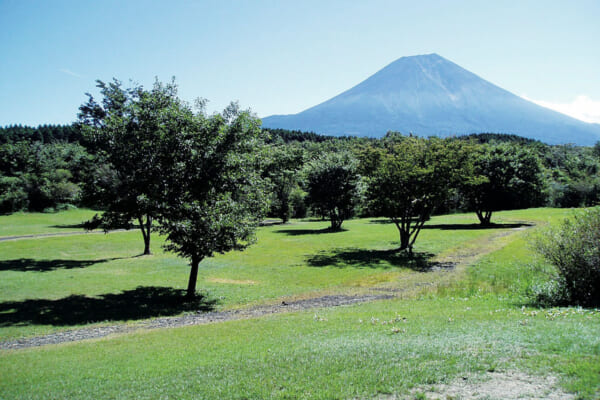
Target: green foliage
{"x":502,"y":176}
{"x":333,"y":187}
{"x":413,"y":176}
{"x":283,"y":168}
{"x":277,"y":135}
{"x":596,"y":150}
{"x":37,"y":176}
{"x":572,"y":175}
{"x":12,"y":194}
{"x":215,"y":196}
{"x":573,"y":248}
{"x":496,"y":138}
{"x":135,"y":131}
{"x":298,"y":203}
{"x":42,"y":133}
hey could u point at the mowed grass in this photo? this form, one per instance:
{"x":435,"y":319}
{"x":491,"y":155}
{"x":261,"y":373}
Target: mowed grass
{"x":461,"y":328}
{"x":300,"y":259}
{"x":41,"y":223}
{"x":391,"y":347}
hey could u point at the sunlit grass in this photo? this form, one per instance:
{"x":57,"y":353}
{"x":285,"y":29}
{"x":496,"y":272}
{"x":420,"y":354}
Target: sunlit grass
{"x":22,"y":223}
{"x":463,"y":323}
{"x":349,"y":352}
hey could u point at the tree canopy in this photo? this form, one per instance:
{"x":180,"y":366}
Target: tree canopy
{"x":216,"y":196}
{"x":413,"y":177}
{"x":333,"y":187}
{"x":133,"y":129}
{"x":503,"y":176}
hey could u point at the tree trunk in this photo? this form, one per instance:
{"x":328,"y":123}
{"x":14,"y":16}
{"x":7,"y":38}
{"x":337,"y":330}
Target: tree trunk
{"x":484,"y":217}
{"x":336,"y":221}
{"x":404,"y":240}
{"x":145,"y":228}
{"x":191,"y":289}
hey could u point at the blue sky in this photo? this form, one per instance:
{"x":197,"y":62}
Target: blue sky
{"x":280,"y":57}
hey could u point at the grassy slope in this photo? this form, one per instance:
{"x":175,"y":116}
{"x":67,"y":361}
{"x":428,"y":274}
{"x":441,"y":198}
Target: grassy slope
{"x":463,"y":329}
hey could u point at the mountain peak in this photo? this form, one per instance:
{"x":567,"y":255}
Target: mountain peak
{"x":430,"y":95}
{"x":417,"y":56}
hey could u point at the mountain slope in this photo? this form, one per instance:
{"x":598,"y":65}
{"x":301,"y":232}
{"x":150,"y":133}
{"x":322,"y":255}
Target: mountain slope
{"x":429,"y":95}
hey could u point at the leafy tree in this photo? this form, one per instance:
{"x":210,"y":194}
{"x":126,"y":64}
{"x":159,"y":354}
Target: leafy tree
{"x":333,"y":184}
{"x":282,"y":168}
{"x":502,"y":177}
{"x":216,"y":196}
{"x":412,"y":178}
{"x":132,"y":130}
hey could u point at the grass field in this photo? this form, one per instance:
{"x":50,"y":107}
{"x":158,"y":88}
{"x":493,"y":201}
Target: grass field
{"x":41,"y":223}
{"x":454,"y":324}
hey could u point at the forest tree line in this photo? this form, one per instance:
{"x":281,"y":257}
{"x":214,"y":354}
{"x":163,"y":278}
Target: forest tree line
{"x":51,"y":167}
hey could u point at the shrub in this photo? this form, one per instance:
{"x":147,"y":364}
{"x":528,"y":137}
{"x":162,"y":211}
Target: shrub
{"x":550,"y":293}
{"x":573,"y":248}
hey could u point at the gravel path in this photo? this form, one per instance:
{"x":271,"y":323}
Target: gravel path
{"x":191,"y":319}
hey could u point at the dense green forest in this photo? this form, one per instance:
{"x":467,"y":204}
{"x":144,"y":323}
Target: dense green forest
{"x":50,"y":167}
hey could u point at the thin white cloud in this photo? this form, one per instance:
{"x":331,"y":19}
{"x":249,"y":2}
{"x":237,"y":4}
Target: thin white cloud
{"x":69,"y":72}
{"x":582,"y":108}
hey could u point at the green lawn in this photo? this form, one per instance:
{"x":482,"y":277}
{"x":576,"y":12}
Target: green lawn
{"x":40,"y":223}
{"x":296,"y":259}
{"x":475,"y":319}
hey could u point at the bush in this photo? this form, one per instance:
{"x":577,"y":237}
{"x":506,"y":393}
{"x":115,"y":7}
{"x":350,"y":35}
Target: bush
{"x":574,"y":249}
{"x":550,"y":293}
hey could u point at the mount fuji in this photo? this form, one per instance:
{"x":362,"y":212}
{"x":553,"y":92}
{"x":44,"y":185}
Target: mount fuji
{"x":428,"y":95}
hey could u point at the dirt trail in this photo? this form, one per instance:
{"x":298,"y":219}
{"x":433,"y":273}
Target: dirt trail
{"x":445,"y":264}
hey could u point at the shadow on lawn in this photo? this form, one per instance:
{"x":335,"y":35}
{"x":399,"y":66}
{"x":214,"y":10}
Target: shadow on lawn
{"x":90,"y":226}
{"x":140,"y":303}
{"x":29,"y":265}
{"x":299,"y":232}
{"x":374,"y":259}
{"x":69,"y":226}
{"x":459,"y":227}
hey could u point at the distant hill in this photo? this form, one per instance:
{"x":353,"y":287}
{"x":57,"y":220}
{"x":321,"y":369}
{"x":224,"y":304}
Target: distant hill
{"x":429,"y":95}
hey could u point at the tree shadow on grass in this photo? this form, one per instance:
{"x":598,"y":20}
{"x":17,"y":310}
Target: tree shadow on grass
{"x":141,"y":303}
{"x":362,"y":258}
{"x":299,"y":232}
{"x":81,"y":225}
{"x":90,"y":226}
{"x":31,"y":265}
{"x":458,"y":227}
{"x":381,"y":221}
